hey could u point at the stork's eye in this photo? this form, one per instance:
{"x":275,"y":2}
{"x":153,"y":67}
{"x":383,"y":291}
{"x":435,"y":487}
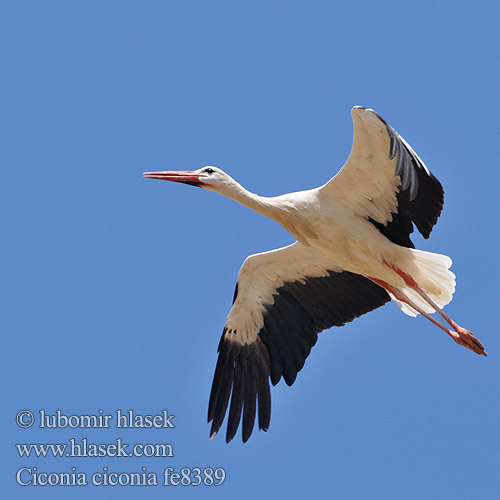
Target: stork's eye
{"x":209,"y":171}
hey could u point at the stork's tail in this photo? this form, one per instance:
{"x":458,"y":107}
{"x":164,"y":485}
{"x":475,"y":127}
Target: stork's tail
{"x":432,"y":273}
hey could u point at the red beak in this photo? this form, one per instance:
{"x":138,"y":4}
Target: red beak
{"x":186,"y":177}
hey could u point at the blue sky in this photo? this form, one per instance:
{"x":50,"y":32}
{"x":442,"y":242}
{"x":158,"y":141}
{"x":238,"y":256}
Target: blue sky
{"x":115,"y":288}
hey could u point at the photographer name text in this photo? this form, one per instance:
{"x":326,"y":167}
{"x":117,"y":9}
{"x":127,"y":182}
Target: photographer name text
{"x":121,"y":419}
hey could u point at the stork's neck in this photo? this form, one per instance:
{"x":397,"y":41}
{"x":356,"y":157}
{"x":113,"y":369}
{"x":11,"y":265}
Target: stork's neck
{"x":261,"y":204}
{"x":282,"y":209}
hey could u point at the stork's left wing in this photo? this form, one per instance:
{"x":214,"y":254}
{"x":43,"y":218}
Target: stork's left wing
{"x":283,"y":299}
{"x":385,"y":181}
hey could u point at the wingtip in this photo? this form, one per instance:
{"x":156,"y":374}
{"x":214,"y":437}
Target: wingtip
{"x":360,"y":109}
{"x":356,"y":110}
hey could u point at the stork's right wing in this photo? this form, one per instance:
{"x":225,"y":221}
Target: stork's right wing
{"x":386,"y":182}
{"x":283,"y":299}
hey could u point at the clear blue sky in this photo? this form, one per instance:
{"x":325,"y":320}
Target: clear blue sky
{"x":115,"y":288}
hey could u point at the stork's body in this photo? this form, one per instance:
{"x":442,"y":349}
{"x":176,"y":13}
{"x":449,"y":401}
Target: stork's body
{"x":353,"y":253}
{"x":325,"y":225}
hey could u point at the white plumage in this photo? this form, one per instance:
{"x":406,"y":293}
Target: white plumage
{"x":353,"y":253}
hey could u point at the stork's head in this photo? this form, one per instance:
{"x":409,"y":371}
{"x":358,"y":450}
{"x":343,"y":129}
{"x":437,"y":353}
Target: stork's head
{"x":211,"y":178}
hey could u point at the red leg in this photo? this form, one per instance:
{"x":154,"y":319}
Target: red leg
{"x":460,"y":335}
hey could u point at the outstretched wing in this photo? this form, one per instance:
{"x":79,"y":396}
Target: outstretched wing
{"x":385,"y":181}
{"x":283,"y":299}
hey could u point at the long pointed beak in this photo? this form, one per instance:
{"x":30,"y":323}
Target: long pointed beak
{"x":184,"y":176}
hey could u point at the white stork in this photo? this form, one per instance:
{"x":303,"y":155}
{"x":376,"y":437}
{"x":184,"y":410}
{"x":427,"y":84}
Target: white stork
{"x":353,"y":254}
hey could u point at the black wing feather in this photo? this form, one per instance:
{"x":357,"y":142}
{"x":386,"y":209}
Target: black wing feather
{"x":250,"y":404}
{"x":340,"y":297}
{"x":238,"y":395}
{"x":420,"y":197}
{"x":245,"y":370}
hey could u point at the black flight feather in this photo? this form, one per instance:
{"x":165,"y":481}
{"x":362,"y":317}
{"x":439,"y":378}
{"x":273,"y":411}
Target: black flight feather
{"x":420,"y":197}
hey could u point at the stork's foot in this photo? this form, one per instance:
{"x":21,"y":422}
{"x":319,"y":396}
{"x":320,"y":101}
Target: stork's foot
{"x":467,"y":339}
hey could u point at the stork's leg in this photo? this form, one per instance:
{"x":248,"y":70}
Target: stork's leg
{"x":460,"y":335}
{"x":403,"y":298}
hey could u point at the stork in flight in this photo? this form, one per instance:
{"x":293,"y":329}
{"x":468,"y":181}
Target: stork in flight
{"x":353,"y":254}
